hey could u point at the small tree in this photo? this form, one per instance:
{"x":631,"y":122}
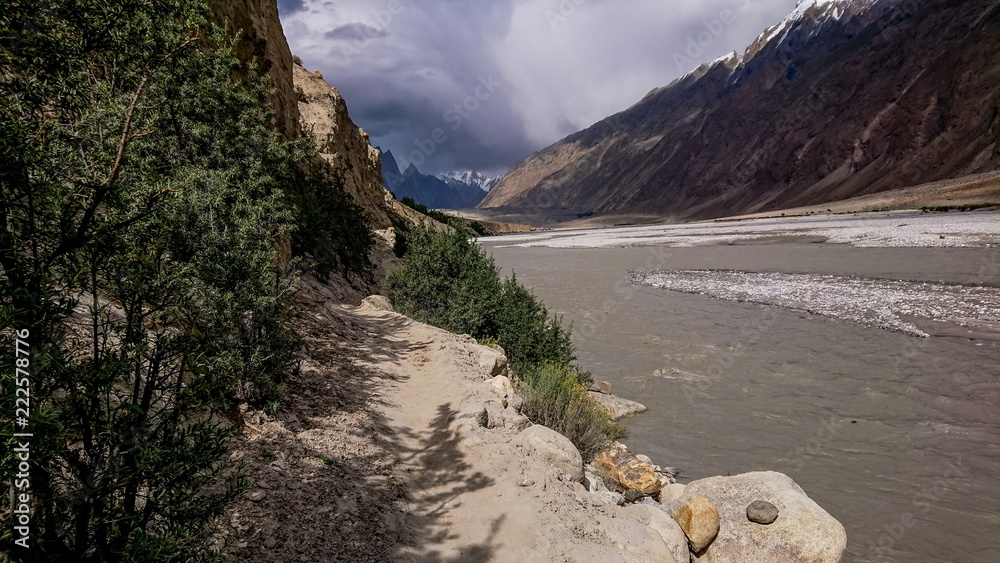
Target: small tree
{"x":140,"y":192}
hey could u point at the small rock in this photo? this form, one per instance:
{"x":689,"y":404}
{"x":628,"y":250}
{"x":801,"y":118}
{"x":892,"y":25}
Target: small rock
{"x":527,"y":483}
{"x":699,"y":519}
{"x":762,"y":512}
{"x":646,"y":459}
{"x":611,"y":497}
{"x":632,"y":495}
{"x":502,"y":388}
{"x":671,"y":492}
{"x":377,"y":303}
{"x":492,"y":361}
{"x":515,"y":421}
{"x":256,"y":496}
{"x":515,"y":402}
{"x":602,"y":387}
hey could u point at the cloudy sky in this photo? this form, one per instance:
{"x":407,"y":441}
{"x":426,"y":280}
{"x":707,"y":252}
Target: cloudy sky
{"x":473,"y":84}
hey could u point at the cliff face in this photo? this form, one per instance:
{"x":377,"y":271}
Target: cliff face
{"x":342,"y":144}
{"x":305,"y":104}
{"x":262,"y":39}
{"x":841,"y":99}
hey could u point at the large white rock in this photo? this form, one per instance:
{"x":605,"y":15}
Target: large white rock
{"x":493,"y":361}
{"x":660,"y":522}
{"x":555,"y":448}
{"x":618,"y":407}
{"x":802,"y":532}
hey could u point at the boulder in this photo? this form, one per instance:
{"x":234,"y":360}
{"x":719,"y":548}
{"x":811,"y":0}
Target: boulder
{"x":617,"y":406}
{"x":602,"y":387}
{"x":802,"y":532}
{"x":699,"y":519}
{"x":668,"y":529}
{"x":628,"y":471}
{"x":554,"y":448}
{"x":377,"y":303}
{"x":493,"y":361}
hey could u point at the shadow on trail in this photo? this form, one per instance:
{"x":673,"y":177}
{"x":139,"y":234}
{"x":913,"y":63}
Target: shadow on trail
{"x":338,"y":482}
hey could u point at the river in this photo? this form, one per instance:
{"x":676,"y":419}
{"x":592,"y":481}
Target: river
{"x":895,"y":435}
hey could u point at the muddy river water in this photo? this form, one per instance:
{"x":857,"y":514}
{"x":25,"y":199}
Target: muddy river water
{"x":896,"y":435}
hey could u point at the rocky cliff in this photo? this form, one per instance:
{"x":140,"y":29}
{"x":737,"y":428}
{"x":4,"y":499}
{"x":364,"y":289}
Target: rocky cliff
{"x":342,"y":144}
{"x":261,"y":39}
{"x":306,"y":104}
{"x":841,"y":99}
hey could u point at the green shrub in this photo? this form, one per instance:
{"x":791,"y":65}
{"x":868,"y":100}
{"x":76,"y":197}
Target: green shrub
{"x":140,"y":195}
{"x":557,"y":400}
{"x":449,"y":282}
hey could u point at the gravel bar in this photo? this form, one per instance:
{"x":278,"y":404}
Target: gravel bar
{"x":871,"y":302}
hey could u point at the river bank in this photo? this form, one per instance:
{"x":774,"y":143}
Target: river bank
{"x":394,"y":445}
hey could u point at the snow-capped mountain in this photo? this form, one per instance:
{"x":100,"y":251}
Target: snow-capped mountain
{"x":840,"y":98}
{"x":445,"y":191}
{"x":470,"y":178}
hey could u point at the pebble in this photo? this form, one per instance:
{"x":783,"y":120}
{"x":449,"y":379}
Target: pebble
{"x":762,"y":512}
{"x":256,"y":496}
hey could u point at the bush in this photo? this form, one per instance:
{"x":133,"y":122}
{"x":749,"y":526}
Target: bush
{"x":557,"y":400}
{"x":449,"y":282}
{"x":329,"y":225}
{"x":140,"y":195}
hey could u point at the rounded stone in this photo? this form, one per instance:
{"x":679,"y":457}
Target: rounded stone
{"x":762,"y":512}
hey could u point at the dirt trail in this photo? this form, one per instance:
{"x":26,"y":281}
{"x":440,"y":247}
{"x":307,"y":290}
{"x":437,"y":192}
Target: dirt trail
{"x":371,"y":459}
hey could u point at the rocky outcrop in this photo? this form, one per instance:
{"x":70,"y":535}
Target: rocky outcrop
{"x":342,"y":144}
{"x":259,"y":38}
{"x":848,"y":99}
{"x":802,"y":532}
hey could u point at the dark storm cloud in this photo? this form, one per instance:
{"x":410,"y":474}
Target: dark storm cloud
{"x":288,"y":7}
{"x":355,"y":31}
{"x":450,"y":84}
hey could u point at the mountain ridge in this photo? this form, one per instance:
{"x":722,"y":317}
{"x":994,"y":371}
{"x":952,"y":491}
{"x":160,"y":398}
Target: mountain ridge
{"x":819,"y":108}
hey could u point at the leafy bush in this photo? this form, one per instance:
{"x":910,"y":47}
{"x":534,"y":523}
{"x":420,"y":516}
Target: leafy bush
{"x":449,"y":282}
{"x":329,"y":225}
{"x":140,"y":195}
{"x":557,"y":400}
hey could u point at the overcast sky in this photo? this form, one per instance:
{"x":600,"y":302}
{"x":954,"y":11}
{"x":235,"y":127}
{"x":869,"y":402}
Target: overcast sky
{"x":473,"y":84}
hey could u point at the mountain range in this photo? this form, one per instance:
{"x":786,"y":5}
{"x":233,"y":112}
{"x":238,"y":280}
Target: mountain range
{"x":840,"y":99}
{"x":454,"y":190}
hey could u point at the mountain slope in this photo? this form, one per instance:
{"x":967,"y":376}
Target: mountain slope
{"x":840,"y":99}
{"x":434,"y":192}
